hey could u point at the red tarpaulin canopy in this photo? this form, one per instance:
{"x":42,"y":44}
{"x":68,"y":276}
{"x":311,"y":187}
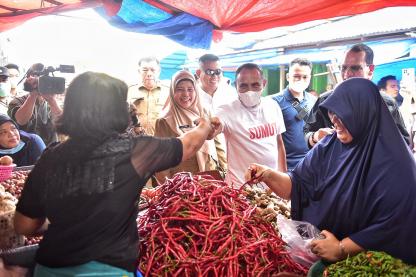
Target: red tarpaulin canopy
{"x":232,"y":15}
{"x":258,"y":15}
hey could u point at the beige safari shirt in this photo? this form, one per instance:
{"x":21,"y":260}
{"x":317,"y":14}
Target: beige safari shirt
{"x":149,"y":104}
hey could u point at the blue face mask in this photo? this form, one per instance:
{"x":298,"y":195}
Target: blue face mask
{"x":13,"y":150}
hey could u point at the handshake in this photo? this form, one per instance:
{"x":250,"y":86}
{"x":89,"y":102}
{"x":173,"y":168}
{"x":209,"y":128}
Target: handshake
{"x":213,"y":125}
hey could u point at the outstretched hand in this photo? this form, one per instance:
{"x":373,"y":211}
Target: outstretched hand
{"x":216,"y":127}
{"x":255,"y":173}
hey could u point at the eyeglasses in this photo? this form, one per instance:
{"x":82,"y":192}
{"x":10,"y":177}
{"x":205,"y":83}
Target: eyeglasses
{"x":212,"y":72}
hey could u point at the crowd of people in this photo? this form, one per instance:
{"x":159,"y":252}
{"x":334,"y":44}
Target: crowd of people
{"x":344,"y":159}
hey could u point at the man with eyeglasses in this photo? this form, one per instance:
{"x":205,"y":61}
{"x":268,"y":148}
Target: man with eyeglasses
{"x":358,"y":62}
{"x":33,"y":111}
{"x":296,"y":104}
{"x":214,"y":92}
{"x":147,"y":98}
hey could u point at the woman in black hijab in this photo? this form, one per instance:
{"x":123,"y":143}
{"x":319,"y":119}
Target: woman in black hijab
{"x":359,"y":183}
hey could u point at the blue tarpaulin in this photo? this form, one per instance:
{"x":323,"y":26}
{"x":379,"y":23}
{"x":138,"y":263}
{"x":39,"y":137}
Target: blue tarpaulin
{"x":393,"y":68}
{"x":183,"y":28}
{"x":133,"y":11}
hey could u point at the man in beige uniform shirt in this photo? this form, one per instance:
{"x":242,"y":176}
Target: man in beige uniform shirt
{"x":149,"y":96}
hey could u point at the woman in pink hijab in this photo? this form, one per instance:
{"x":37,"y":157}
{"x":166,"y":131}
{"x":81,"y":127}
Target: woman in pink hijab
{"x":182,"y":108}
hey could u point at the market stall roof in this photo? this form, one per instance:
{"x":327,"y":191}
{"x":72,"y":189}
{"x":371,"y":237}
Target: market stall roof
{"x":14,"y":13}
{"x":388,"y":22}
{"x":196,"y":23}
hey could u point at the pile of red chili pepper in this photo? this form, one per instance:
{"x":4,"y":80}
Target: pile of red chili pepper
{"x":199,"y":226}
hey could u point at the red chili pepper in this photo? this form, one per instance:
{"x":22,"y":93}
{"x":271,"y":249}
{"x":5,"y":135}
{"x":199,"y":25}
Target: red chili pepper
{"x":203,"y":227}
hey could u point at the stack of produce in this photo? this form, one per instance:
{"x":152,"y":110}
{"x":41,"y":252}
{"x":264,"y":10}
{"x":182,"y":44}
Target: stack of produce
{"x":147,"y":195}
{"x":196,"y":226}
{"x":14,"y":185}
{"x":8,"y":237}
{"x":269,"y":205}
{"x":370,"y":263}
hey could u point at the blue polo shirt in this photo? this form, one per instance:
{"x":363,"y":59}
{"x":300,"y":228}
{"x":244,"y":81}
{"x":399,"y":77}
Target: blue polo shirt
{"x":295,"y":144}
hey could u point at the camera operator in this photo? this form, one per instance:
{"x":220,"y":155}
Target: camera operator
{"x":35,"y":112}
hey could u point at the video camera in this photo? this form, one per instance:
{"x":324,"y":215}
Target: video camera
{"x":45,"y":83}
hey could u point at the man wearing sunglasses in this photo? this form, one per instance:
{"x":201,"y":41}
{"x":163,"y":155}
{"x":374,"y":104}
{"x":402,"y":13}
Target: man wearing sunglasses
{"x":358,"y":62}
{"x":214,"y":92}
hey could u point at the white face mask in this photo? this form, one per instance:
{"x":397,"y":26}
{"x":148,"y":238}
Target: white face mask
{"x":14,"y":81}
{"x":299,"y":86}
{"x":5,"y":89}
{"x":250,"y":98}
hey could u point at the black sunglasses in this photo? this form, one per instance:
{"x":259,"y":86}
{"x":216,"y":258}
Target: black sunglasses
{"x":212,"y":72}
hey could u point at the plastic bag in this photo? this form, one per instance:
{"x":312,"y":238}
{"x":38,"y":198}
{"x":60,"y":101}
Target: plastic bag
{"x":298,"y":236}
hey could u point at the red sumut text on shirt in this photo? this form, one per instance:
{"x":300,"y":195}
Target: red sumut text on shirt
{"x":263,"y":131}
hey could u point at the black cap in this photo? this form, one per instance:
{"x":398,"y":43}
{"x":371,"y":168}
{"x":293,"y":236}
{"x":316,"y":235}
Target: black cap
{"x":4,"y":71}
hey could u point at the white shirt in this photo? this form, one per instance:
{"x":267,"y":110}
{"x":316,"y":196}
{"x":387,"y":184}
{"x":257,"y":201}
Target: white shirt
{"x":224,"y":94}
{"x":251,"y":136}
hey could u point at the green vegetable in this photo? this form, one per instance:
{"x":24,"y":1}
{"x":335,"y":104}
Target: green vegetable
{"x":370,"y":263}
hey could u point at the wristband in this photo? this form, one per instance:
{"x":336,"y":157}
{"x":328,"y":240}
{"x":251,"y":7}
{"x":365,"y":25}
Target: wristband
{"x":342,"y":248}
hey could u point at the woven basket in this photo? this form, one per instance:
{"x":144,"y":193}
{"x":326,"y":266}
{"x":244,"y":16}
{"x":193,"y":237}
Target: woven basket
{"x":8,"y":237}
{"x":6,"y":171}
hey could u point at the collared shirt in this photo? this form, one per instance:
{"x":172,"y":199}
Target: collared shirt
{"x":149,"y":104}
{"x":293,"y":138}
{"x":224,"y":94}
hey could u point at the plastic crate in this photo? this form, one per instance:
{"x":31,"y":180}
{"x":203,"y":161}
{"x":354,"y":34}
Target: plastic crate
{"x":6,"y":171}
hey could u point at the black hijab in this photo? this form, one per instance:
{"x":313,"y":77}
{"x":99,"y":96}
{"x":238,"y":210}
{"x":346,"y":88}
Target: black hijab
{"x":365,"y":189}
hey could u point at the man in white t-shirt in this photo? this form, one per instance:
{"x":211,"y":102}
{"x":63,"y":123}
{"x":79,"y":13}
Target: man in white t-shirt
{"x":252,"y":126}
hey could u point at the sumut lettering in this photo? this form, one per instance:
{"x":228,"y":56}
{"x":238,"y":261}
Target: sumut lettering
{"x":263,"y":131}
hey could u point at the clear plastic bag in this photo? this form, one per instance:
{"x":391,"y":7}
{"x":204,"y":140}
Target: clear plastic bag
{"x":298,"y":236}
